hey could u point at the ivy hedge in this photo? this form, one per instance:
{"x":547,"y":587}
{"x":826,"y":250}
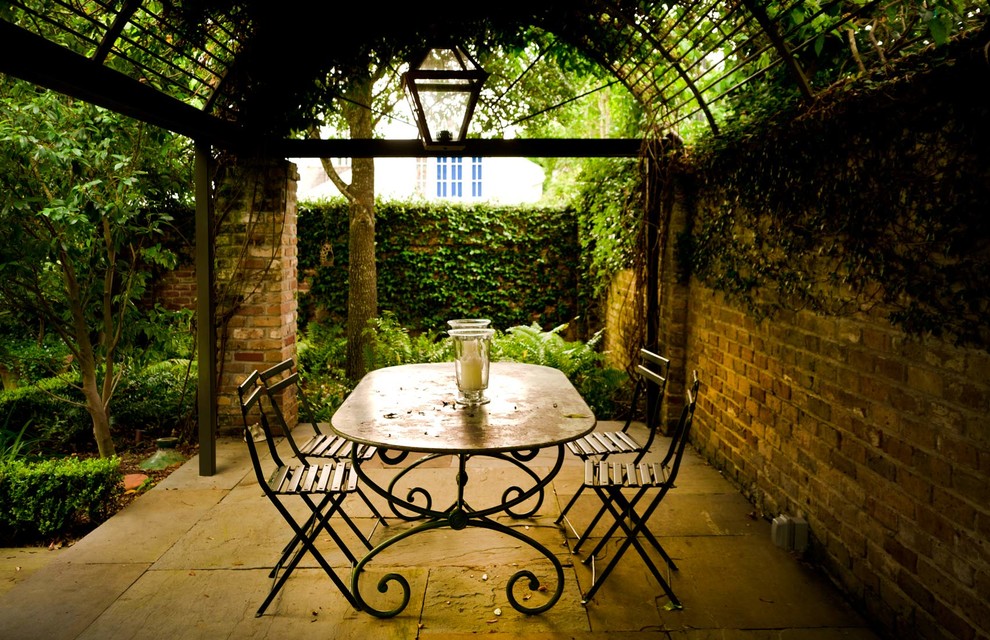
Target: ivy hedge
{"x":436,"y":261}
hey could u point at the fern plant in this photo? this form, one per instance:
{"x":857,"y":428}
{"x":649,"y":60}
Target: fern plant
{"x":604,"y":388}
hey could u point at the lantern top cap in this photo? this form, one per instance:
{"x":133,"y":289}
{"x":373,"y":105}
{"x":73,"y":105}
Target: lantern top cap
{"x":448,"y":58}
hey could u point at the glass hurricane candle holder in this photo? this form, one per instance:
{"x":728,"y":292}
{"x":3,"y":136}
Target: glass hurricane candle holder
{"x":469,"y":323}
{"x":472,"y":349}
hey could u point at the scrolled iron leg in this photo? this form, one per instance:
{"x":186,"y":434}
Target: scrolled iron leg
{"x":525,"y":574}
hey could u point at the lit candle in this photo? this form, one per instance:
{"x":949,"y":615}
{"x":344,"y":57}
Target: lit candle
{"x":471,"y":373}
{"x":471,"y":363}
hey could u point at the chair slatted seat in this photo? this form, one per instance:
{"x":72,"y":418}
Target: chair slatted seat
{"x":321,"y":445}
{"x":651,"y":376}
{"x":322,"y":487}
{"x":608,"y":480}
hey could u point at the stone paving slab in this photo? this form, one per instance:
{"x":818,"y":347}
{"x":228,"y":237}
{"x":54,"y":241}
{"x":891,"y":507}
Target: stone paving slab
{"x":230,"y":469}
{"x":147,"y":527}
{"x":61,"y":600}
{"x":191,"y":559}
{"x":736,"y":582}
{"x":473,"y":598}
{"x":18,"y":563}
{"x":243,"y":531}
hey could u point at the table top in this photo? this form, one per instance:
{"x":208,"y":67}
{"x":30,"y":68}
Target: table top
{"x":413,"y":407}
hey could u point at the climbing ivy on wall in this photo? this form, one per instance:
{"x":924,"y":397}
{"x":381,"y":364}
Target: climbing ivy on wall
{"x":876,"y":198}
{"x":610,"y":215}
{"x":515,"y":265}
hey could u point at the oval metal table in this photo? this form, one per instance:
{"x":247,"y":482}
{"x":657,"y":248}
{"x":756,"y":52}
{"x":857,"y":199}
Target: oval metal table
{"x":412,"y":408}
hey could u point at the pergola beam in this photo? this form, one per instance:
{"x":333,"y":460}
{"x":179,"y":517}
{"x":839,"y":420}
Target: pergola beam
{"x":472,"y":147}
{"x":32,"y":58}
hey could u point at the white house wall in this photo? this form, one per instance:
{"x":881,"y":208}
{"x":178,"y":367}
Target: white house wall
{"x":504,"y":180}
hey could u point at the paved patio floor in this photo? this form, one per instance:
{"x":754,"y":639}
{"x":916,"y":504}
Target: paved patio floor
{"x":190,"y":559}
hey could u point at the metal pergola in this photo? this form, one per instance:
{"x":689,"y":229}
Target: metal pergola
{"x":196,"y":67}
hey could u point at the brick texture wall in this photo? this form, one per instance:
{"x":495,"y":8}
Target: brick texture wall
{"x":177,"y":289}
{"x":622,"y":311}
{"x":256,"y":281}
{"x":880,"y":440}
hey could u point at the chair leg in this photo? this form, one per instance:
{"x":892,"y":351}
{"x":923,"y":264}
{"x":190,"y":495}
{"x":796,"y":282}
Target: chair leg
{"x":591,"y":527}
{"x":570,"y":503}
{"x":628,"y":510}
{"x":598,"y":516}
{"x":632,"y":539}
{"x":314,"y":525}
{"x":306,"y":539}
{"x":608,"y":505}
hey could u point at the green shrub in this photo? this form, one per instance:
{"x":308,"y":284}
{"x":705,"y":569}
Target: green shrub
{"x":606,"y":390}
{"x":49,"y":498}
{"x":392,"y":344}
{"x":27,"y":361}
{"x":157,"y":399}
{"x":322,"y":352}
{"x":322,"y":348}
{"x":54,"y":408}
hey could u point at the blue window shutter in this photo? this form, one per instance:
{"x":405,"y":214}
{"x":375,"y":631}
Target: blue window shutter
{"x":476,"y":182}
{"x":457,"y":178}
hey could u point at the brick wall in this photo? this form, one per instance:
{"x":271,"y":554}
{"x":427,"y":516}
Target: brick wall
{"x":256,"y":278}
{"x":622,"y":312}
{"x":177,"y":289}
{"x":880,"y":440}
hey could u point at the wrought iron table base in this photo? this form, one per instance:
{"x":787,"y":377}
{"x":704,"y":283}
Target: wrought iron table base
{"x":461,"y":515}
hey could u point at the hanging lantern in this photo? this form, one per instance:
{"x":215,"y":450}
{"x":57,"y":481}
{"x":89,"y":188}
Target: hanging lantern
{"x":443,"y":86}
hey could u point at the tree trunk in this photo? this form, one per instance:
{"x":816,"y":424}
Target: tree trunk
{"x":98,"y":413}
{"x":362,"y":293}
{"x":95,"y":404}
{"x":95,"y":401}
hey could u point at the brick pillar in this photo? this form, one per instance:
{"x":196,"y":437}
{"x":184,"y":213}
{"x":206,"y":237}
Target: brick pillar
{"x":673,"y":314}
{"x":256,"y":277}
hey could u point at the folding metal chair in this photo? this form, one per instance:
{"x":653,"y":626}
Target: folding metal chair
{"x":651,"y":378}
{"x":609,"y":479}
{"x":321,"y":445}
{"x":322,"y":487}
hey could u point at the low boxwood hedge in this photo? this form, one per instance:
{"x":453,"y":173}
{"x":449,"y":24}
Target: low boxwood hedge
{"x":48,"y":498}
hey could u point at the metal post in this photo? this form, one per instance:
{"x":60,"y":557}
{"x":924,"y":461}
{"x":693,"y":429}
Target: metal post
{"x":206,"y":333}
{"x":654,"y":256}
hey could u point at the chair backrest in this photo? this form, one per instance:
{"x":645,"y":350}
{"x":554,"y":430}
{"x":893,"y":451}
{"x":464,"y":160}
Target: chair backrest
{"x":679,"y":438}
{"x":277,"y":378}
{"x":249,"y":394}
{"x":280,"y":377}
{"x":651,"y":381}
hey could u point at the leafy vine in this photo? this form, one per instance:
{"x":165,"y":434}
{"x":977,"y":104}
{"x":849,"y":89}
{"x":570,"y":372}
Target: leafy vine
{"x":873,"y":200}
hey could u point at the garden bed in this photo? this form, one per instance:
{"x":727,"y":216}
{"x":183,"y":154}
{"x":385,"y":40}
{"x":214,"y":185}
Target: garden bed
{"x":130,"y":464}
